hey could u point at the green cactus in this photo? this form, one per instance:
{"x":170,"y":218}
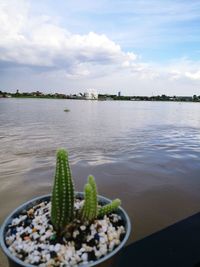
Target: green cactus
{"x":89,"y":210}
{"x":62,"y":202}
{"x":91,"y":181}
{"x":109,"y":207}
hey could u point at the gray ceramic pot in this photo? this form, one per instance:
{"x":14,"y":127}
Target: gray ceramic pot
{"x":15,"y":262}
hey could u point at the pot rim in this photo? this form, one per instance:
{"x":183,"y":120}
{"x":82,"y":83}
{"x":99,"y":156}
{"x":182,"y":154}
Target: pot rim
{"x":89,"y":264}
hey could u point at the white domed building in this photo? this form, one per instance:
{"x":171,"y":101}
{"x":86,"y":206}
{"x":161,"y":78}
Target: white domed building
{"x":91,"y":95}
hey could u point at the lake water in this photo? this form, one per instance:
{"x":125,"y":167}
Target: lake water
{"x":146,"y":153}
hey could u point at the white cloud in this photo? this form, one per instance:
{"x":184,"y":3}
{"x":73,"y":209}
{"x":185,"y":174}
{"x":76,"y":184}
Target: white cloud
{"x":174,"y":74}
{"x":194,"y":75}
{"x":183,"y":69}
{"x":39,"y":42}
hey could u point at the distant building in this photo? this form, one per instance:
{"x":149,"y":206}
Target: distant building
{"x":37,"y":93}
{"x":119,"y":94}
{"x":91,"y":95}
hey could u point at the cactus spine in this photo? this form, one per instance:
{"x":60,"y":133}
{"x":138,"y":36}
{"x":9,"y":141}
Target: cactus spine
{"x":109,"y":207}
{"x":89,"y":210}
{"x":62,"y":203}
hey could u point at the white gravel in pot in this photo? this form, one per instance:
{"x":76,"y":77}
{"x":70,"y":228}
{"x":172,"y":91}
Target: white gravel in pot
{"x":32,"y":238}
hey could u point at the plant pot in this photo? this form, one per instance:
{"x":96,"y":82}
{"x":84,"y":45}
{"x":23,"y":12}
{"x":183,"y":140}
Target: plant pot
{"x":16,"y":262}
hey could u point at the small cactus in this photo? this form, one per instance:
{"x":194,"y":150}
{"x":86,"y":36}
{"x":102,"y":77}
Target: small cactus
{"x":109,"y":207}
{"x":62,"y":202}
{"x":89,"y":210}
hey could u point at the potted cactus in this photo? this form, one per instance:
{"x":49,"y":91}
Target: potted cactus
{"x":66,"y":228}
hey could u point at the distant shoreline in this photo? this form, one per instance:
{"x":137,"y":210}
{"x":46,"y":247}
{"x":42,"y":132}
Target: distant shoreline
{"x":137,"y":100}
{"x":100,"y":97}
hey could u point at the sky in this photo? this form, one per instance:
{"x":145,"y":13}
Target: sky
{"x":138,"y":47}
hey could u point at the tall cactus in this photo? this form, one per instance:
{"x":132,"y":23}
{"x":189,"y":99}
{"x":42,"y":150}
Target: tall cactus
{"x":91,"y":181}
{"x":62,"y":202}
{"x":89,"y":210}
{"x":109,"y":207}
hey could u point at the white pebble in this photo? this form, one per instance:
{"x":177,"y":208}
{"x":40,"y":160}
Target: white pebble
{"x":82,"y":250}
{"x":29,"y":230}
{"x":75,"y":233}
{"x":35,"y":235}
{"x":42,"y":231}
{"x":72,"y":262}
{"x":83,"y":227}
{"x":84,"y":257}
{"x":48,"y":256}
{"x":48,"y":233}
{"x":103,"y":250}
{"x":51,"y":247}
{"x":97,"y":253}
{"x":57,"y":247}
{"x":102,"y":240}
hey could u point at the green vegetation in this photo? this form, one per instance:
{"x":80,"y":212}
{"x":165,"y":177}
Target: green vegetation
{"x":151,"y":98}
{"x":62,"y":201}
{"x":36,"y":94}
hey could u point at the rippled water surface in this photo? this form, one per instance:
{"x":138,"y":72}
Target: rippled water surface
{"x":146,"y":153}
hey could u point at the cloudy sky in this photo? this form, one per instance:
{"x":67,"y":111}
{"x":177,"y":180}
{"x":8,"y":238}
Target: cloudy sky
{"x":138,"y":47}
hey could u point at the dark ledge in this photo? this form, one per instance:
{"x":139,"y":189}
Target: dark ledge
{"x":175,"y":246}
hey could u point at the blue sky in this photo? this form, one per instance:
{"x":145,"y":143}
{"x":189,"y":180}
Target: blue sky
{"x":138,"y":47}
